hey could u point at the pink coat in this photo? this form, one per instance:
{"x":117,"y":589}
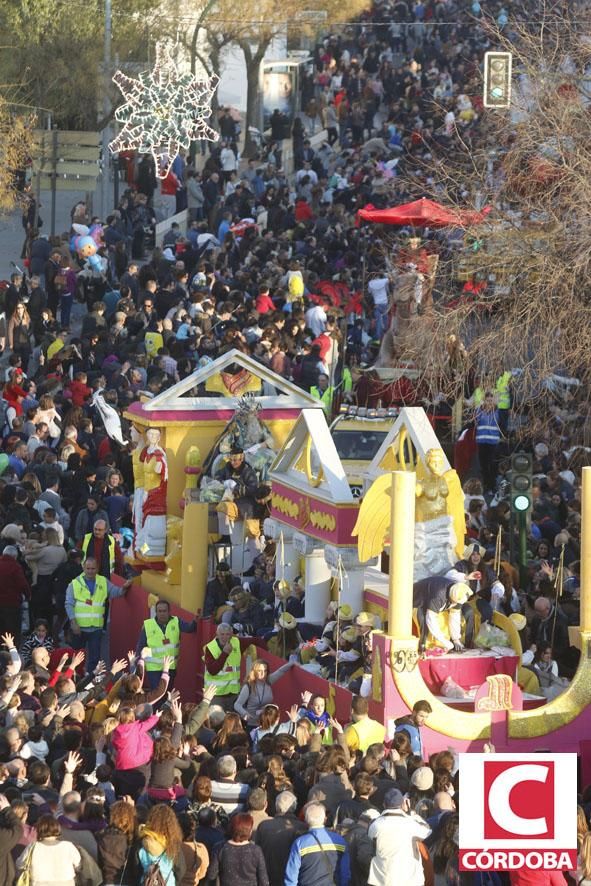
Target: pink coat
{"x":131,"y":743}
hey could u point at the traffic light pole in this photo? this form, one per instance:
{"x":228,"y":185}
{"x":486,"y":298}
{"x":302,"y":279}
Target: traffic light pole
{"x":522,"y":518}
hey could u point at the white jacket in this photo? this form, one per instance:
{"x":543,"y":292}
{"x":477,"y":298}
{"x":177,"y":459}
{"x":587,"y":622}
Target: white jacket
{"x":397,"y":858}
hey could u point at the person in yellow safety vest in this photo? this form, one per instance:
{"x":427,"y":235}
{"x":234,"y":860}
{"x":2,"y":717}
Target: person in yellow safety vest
{"x":86,"y":603}
{"x":363,"y":731}
{"x":222,"y":659}
{"x":102,"y":547}
{"x":162,"y":636}
{"x":503,"y":399}
{"x":347,"y":380}
{"x":323,"y":392}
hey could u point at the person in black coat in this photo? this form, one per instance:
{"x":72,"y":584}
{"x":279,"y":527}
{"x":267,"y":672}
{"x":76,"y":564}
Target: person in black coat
{"x":276,"y":835}
{"x":244,"y":479}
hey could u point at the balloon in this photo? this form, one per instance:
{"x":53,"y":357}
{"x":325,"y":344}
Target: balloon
{"x":3,"y":462}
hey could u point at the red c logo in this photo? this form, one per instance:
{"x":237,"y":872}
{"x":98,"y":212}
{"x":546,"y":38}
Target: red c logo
{"x":518,"y":800}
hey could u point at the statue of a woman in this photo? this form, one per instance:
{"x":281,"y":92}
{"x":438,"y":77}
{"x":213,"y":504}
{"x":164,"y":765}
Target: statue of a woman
{"x":155,"y":478}
{"x":435,"y":533}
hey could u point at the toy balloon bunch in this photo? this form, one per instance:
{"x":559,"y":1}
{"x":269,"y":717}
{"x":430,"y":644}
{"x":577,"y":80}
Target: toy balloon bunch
{"x":86,"y":247}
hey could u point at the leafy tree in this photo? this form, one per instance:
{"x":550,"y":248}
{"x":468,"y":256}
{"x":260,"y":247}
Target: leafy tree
{"x":252,"y":25}
{"x":56,"y":50}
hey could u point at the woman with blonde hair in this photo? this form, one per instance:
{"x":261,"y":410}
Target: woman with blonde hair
{"x":257,"y":691}
{"x":583,"y":876}
{"x":46,"y":412}
{"x":31,"y":480}
{"x":582,"y":826}
{"x":19,"y":333}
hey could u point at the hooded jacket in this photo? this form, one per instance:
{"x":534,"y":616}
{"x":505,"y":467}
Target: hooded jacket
{"x":131,"y":743}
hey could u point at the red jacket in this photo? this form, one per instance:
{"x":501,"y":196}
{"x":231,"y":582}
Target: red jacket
{"x":131,"y":743}
{"x":12,"y":393}
{"x":264,"y":303}
{"x":303,"y":211}
{"x":79,"y":392}
{"x":13,"y":583}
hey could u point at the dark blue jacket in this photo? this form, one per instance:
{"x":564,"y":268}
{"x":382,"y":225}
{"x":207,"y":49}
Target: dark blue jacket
{"x":308,"y":864}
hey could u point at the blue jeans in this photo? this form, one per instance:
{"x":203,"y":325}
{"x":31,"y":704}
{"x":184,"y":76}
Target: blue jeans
{"x":91,"y":642}
{"x":380,"y":313}
{"x":65,"y":309}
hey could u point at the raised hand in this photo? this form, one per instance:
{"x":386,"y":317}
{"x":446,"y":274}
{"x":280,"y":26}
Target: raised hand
{"x":293,"y":712}
{"x":8,"y":640}
{"x":335,"y":724}
{"x":100,"y":669}
{"x":62,"y":661}
{"x":72,"y":762}
{"x":306,"y":696}
{"x":63,"y":711}
{"x":209,"y":692}
{"x":131,"y":658}
{"x":77,"y":659}
{"x":118,"y":665}
{"x":175,"y":707}
{"x":166,"y":663}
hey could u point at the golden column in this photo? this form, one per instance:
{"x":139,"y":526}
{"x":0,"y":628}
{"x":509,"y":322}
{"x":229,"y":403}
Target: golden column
{"x":585,"y":620}
{"x":402,"y":525}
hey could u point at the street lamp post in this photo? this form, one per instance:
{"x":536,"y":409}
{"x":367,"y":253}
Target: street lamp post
{"x":106,"y":133}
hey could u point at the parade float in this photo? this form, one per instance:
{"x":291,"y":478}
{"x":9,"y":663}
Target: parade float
{"x":180,"y":436}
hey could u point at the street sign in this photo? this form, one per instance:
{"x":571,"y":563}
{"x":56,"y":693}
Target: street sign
{"x":64,"y":160}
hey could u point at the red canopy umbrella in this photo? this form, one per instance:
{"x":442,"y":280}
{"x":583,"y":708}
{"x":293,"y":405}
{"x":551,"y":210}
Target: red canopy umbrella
{"x":422,"y":213}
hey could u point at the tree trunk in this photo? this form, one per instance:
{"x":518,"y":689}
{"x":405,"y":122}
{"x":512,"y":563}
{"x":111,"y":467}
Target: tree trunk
{"x":253,"y":62}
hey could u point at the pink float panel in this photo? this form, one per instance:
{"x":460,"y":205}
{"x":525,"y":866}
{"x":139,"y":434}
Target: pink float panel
{"x":155,"y":416}
{"x":343,"y":517}
{"x":569,"y":738}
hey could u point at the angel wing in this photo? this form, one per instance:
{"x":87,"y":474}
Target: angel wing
{"x":455,"y":508}
{"x":373,"y":522}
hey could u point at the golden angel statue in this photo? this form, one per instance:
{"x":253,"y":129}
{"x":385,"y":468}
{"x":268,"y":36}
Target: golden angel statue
{"x":439,"y":517}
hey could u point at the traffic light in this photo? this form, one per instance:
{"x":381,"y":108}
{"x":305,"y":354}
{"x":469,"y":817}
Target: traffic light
{"x":497,"y":79}
{"x":521,"y":482}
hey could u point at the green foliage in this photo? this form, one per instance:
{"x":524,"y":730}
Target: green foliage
{"x":51,"y":52}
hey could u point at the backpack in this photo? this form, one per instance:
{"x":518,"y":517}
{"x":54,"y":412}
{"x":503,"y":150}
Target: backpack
{"x":154,"y":876}
{"x":296,"y":286}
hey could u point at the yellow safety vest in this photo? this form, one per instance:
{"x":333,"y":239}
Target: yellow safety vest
{"x":326,"y":397}
{"x":368,"y":732}
{"x":111,"y":541}
{"x":228,"y":680}
{"x":502,"y":391}
{"x":162,"y":642}
{"x":89,"y":609}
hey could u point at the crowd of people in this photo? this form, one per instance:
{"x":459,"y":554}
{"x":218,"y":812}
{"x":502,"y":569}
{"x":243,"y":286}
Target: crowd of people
{"x":106,"y":774}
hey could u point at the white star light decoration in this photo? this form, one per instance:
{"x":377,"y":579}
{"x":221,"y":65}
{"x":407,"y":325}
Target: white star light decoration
{"x":164,"y":111}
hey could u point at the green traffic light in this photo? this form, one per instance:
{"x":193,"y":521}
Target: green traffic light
{"x":521,"y":502}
